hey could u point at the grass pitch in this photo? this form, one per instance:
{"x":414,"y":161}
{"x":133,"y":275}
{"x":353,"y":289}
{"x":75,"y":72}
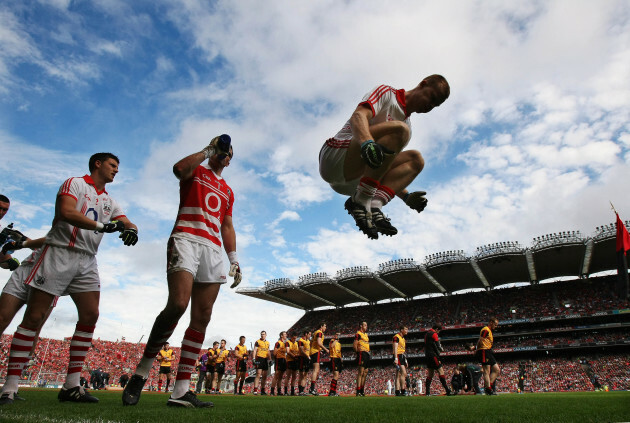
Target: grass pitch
{"x":42,"y":407}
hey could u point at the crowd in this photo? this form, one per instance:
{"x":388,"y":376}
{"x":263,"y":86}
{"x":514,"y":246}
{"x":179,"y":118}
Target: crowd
{"x":552,"y":299}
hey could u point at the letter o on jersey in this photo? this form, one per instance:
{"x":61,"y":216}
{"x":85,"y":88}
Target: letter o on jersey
{"x":212,"y":198}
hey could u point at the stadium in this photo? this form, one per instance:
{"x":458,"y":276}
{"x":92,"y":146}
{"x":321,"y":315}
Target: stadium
{"x":564,"y":321}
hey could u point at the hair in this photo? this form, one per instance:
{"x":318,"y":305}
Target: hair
{"x":322,"y":324}
{"x":241,"y":337}
{"x":215,"y":343}
{"x":402,"y":327}
{"x":223,"y":340}
{"x":494,"y":319}
{"x":306,"y":331}
{"x":4,"y":199}
{"x":284,"y":331}
{"x":101,"y":157}
{"x":437,"y":326}
{"x":263,"y":331}
{"x":439,"y":82}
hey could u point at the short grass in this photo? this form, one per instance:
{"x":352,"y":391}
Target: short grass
{"x":42,"y":407}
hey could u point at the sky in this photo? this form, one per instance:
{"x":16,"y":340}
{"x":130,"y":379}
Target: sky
{"x":534,"y":139}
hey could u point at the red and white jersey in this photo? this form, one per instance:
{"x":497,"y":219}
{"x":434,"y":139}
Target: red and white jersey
{"x":386,"y":103}
{"x":204,"y":201}
{"x":98,"y":206}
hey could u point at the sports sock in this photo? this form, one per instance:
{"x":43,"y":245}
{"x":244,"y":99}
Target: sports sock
{"x":160,"y":385}
{"x":293,"y":390}
{"x":79,"y":346}
{"x":23,"y":341}
{"x":300,"y":389}
{"x":273,"y":390}
{"x":382,"y":196}
{"x":365,"y":191}
{"x":428,"y":385}
{"x":160,"y":333}
{"x":443,"y":382}
{"x":312,"y":388}
{"x":191,"y":345}
{"x":333,"y":385}
{"x":240,"y":386}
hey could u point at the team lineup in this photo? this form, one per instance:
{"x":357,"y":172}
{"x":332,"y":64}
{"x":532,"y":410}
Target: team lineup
{"x":365,"y":160}
{"x":293,"y":357}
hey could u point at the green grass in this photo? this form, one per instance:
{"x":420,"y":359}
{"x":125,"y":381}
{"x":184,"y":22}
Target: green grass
{"x":42,"y":407}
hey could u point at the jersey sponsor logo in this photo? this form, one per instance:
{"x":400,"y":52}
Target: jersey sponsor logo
{"x":40,"y":280}
{"x":212,"y":198}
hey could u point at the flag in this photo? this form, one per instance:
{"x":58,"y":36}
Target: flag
{"x":623,"y":237}
{"x":623,"y":245}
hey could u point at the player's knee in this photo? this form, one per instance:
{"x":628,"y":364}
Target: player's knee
{"x":88,"y":317}
{"x":416,"y":161}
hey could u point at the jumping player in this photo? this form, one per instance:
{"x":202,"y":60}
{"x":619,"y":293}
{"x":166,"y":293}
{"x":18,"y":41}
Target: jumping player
{"x":365,"y":159}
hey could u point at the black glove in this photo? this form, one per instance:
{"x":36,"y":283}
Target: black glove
{"x":113,"y":226}
{"x":129,"y":236}
{"x":374,"y":154}
{"x":12,"y":246}
{"x":12,"y":263}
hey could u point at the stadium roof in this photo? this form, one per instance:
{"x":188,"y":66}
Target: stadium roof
{"x":563,"y":254}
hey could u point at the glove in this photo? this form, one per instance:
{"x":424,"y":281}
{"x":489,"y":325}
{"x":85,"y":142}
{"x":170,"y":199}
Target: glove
{"x":374,"y":154}
{"x":12,"y":263}
{"x":113,"y":226}
{"x":129,"y":236}
{"x":219,"y":144}
{"x":235,"y":270}
{"x":416,"y":200}
{"x":11,"y":246}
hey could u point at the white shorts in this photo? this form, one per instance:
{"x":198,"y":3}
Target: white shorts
{"x":331,"y":159}
{"x":15,"y":285}
{"x":202,"y":261}
{"x":62,"y":271}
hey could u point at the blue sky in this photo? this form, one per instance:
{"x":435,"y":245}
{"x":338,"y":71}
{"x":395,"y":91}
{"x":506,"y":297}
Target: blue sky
{"x":534,"y":138}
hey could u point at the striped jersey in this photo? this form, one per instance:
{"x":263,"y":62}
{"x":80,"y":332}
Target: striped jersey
{"x":98,"y":206}
{"x":386,"y":103}
{"x":204,"y":201}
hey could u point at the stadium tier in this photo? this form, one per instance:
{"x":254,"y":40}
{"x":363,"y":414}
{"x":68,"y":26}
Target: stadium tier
{"x":563,"y":254}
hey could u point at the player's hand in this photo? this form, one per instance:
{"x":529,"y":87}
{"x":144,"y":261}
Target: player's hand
{"x":129,"y":236}
{"x":219,"y":144}
{"x":12,"y":246}
{"x":374,"y":154}
{"x":113,"y":226}
{"x":235,"y":271}
{"x":12,"y":263}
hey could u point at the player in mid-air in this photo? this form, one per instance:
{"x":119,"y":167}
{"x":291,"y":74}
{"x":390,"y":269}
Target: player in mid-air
{"x":365,"y":159}
{"x":195,"y":269}
{"x":66,"y":265}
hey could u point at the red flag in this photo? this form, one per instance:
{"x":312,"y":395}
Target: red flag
{"x":623,"y":237}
